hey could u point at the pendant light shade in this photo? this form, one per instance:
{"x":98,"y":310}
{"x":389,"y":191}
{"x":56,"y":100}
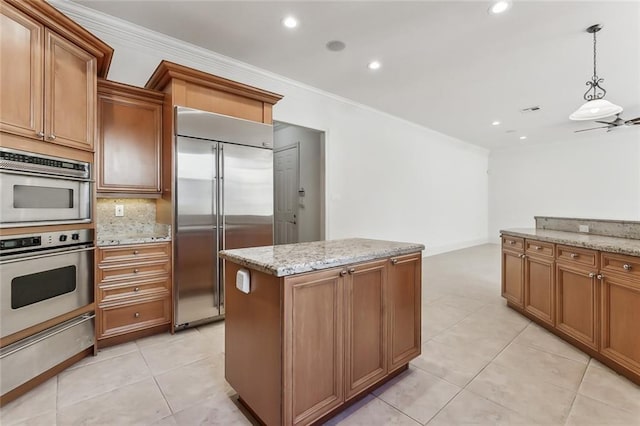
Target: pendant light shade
{"x":596,"y":107}
{"x":595,"y":110}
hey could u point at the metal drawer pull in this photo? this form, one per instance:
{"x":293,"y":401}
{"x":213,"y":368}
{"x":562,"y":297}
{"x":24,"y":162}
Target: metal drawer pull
{"x":592,"y":274}
{"x":626,"y":267}
{"x":52,"y":137}
{"x":135,"y":271}
{"x":394,"y":261}
{"x":135,"y":252}
{"x":574,"y":255}
{"x":599,"y":276}
{"x":343,"y":272}
{"x":136,"y":289}
{"x":137,"y":315}
{"x":40,"y":134}
{"x":522,"y":256}
{"x":512,"y":242}
{"x":351,"y":270}
{"x":537,"y":247}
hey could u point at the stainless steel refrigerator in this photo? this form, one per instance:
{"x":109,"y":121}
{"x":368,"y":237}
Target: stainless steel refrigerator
{"x":223,"y":200}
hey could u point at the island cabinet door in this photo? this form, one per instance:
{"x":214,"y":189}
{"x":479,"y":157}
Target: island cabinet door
{"x":538,"y":288}
{"x":577,"y":303}
{"x":313,"y":345}
{"x":404,"y":309}
{"x":620,"y":320}
{"x":513,"y":277}
{"x":365,"y":326}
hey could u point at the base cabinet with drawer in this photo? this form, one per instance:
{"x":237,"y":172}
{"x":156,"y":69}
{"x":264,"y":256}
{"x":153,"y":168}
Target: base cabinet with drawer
{"x":133,"y":291}
{"x":513,"y":270}
{"x":588,"y":297}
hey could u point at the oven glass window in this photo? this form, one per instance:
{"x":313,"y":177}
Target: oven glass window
{"x":33,"y":288}
{"x":42,"y":197}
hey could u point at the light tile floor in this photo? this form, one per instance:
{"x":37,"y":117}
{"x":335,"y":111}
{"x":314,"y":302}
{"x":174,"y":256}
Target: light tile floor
{"x":481,"y":364}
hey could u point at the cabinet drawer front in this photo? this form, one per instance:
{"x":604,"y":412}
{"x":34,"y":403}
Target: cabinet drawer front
{"x":126,"y":318}
{"x":577,"y":256}
{"x":626,"y":265}
{"x":512,"y":243}
{"x":135,"y":253}
{"x":539,"y":248}
{"x":120,"y":291}
{"x":132,"y":271}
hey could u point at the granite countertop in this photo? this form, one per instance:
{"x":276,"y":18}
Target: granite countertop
{"x":597,"y":242}
{"x":121,"y":239}
{"x":290,"y":259}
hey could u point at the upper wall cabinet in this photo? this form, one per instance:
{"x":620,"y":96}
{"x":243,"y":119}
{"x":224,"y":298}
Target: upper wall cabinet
{"x":129,"y":139}
{"x":48,"y":71}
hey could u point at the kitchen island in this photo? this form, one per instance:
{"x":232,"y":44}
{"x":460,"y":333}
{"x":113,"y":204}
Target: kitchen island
{"x":317,"y":325}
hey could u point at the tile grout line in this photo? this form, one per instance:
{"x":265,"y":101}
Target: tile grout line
{"x":584,"y":373}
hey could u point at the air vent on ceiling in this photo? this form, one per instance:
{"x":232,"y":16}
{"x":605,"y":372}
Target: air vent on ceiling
{"x":530,"y":109}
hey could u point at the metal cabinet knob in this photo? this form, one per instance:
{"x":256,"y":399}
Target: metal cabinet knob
{"x":136,"y":315}
{"x":599,"y":276}
{"x":135,"y":271}
{"x":394,"y":261}
{"x":343,"y":272}
{"x":592,"y":274}
{"x":352,"y":270}
{"x":626,"y":267}
{"x":135,"y":252}
{"x":512,"y":242}
{"x":522,"y":256}
{"x":537,"y":247}
{"x":136,"y":289}
{"x":574,"y":255}
{"x":52,"y":137}
{"x":40,"y":134}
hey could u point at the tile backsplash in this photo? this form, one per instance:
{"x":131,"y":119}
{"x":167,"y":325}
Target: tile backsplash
{"x":139,"y":216}
{"x":610,"y":228}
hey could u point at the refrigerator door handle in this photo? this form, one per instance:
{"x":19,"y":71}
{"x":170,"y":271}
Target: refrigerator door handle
{"x":222,"y":229}
{"x":222,"y":212}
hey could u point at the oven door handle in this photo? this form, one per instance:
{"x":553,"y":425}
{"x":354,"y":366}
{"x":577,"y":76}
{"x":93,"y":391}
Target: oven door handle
{"x":40,"y":256}
{"x":44,"y":336}
{"x":45,"y":175}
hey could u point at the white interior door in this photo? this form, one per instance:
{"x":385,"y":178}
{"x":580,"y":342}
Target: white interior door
{"x":286,"y":171}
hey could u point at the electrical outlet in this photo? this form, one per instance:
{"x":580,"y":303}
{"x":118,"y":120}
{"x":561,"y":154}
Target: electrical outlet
{"x":119,"y":210}
{"x":583,"y":228}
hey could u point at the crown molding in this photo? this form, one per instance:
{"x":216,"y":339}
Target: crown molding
{"x":128,"y":33}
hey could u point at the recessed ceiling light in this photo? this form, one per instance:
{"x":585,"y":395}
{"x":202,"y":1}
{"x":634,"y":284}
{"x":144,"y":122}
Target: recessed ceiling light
{"x":374,"y":65}
{"x":522,"y":138}
{"x":290,"y":22}
{"x":495,"y":123}
{"x":500,"y":6}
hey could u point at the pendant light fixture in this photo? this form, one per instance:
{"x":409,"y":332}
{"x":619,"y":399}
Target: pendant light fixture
{"x":596,"y":107}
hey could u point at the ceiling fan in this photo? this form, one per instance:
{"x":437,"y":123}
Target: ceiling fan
{"x":610,"y":125}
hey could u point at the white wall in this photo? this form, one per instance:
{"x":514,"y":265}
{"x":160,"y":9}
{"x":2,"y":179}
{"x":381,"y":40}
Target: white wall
{"x":309,"y":206}
{"x":596,"y":177}
{"x":386,"y":178}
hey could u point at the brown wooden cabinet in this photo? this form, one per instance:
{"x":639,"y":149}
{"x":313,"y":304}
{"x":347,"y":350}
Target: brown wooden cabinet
{"x":129,"y":139}
{"x":539,"y":280}
{"x":577,"y":295}
{"x":324,"y":337}
{"x":48,"y":81}
{"x":513,"y":270}
{"x":365,"y":326}
{"x":405,"y":309}
{"x":133,"y":291}
{"x":620,"y":310}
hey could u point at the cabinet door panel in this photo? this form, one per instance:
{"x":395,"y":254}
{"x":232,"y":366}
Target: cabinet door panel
{"x":365,"y":331}
{"x":129,"y":135}
{"x":404,"y":290}
{"x":620,"y":321}
{"x":20,"y":73}
{"x":313,"y":324}
{"x":512,"y":277}
{"x":576,"y":304}
{"x":70,"y":93}
{"x":538,"y":288}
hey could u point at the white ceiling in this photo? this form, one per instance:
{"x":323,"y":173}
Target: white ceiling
{"x":448,"y":65}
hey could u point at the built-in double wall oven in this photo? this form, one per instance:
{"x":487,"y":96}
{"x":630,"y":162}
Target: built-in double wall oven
{"x":43,"y":190}
{"x":46,"y":278}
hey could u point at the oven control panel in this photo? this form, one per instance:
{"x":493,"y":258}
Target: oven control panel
{"x":12,"y":159}
{"x":12,"y":244}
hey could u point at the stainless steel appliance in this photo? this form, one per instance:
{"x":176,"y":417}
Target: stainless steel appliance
{"x":42,"y":276}
{"x":42,"y":190}
{"x":223,"y":200}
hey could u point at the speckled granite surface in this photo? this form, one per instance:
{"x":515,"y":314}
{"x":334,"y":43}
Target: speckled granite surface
{"x":290,"y":259}
{"x":610,"y":228}
{"x":138,"y":225}
{"x":596,"y":242}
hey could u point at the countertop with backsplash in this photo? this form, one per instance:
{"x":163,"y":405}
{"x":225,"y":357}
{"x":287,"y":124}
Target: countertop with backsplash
{"x":137,"y":226}
{"x":614,"y":236}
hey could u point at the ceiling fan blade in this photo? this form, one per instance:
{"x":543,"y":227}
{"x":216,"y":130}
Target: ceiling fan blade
{"x":593,"y":128}
{"x":632,"y":121}
{"x":605,"y":122}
